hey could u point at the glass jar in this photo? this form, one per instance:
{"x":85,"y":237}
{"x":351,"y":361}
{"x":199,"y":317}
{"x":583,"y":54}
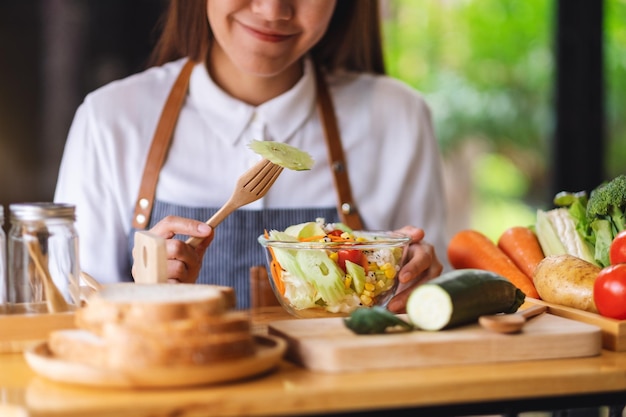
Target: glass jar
{"x":3,"y":265}
{"x":43,"y":266}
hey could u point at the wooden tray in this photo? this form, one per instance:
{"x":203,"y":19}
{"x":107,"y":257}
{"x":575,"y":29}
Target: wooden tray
{"x":613,"y":331}
{"x":18,"y":331}
{"x":269,"y":352}
{"x":327,"y":345}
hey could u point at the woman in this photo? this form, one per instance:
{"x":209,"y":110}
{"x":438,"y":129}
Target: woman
{"x":252,"y":76}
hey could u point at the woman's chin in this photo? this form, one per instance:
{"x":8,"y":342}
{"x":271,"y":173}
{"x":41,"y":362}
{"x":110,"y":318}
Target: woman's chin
{"x":266,"y":67}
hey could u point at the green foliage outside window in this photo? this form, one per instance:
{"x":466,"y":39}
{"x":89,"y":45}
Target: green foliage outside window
{"x":615,"y":72}
{"x":486,"y":68}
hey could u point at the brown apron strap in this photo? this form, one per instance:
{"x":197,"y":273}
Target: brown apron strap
{"x":163,"y":135}
{"x":345,"y":204}
{"x":160,"y":145}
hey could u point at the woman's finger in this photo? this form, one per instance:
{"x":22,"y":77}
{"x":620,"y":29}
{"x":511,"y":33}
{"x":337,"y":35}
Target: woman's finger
{"x":173,"y":225}
{"x":422,"y":265}
{"x":183,"y":261}
{"x":415,"y":233}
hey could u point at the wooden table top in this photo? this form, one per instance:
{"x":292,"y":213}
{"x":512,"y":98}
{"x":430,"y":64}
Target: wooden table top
{"x":292,"y":390}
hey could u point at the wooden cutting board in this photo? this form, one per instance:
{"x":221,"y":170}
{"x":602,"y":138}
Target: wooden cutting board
{"x":613,"y":331}
{"x":327,"y":345}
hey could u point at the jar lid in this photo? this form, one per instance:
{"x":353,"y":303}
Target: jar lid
{"x":42,"y":211}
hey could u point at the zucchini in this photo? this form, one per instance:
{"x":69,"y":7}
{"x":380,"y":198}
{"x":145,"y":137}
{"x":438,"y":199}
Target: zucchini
{"x":460,"y":297}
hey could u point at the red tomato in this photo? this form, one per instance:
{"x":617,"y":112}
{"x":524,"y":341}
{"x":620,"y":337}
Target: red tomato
{"x":609,"y":291}
{"x":352,"y":255}
{"x":617,"y":253}
{"x":335,"y":232}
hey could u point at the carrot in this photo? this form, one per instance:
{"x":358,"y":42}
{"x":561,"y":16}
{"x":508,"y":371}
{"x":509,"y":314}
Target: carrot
{"x":275,"y":270}
{"x":522,"y":246}
{"x":472,"y":249}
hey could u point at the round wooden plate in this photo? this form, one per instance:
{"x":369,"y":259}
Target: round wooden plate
{"x":269,"y":351}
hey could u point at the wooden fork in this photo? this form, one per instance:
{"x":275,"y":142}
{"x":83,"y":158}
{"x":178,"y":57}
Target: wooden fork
{"x":252,"y":185}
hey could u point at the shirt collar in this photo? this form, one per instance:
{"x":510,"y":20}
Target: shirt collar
{"x":229,"y":117}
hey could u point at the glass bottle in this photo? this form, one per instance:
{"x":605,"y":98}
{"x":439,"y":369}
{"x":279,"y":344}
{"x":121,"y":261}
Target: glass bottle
{"x":43,"y":265}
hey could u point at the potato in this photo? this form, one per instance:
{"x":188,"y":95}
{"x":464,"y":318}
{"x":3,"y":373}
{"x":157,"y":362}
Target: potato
{"x":566,"y":280}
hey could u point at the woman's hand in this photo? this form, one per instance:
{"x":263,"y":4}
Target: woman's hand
{"x":183,"y":261}
{"x":421,"y":265}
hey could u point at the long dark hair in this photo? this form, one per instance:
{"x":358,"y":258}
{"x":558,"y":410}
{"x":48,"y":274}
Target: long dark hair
{"x":352,"y":41}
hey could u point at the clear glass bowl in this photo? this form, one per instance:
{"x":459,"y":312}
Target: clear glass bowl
{"x":327,"y":279}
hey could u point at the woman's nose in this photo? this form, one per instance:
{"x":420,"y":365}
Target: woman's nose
{"x":273,"y":9}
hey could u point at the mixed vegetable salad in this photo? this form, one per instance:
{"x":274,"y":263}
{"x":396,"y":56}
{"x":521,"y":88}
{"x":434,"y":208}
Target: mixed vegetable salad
{"x":331,"y":267}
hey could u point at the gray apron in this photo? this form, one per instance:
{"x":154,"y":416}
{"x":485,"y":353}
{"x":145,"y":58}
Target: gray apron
{"x":235,"y":248}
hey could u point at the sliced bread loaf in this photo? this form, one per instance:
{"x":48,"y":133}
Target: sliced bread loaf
{"x":78,"y":345}
{"x":138,"y":348}
{"x":132,"y":326}
{"x":122,"y":348}
{"x":153,"y":303}
{"x":229,"y":322}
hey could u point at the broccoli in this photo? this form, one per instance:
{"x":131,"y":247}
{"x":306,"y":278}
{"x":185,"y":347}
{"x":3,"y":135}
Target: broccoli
{"x":608,"y":199}
{"x":606,"y":215}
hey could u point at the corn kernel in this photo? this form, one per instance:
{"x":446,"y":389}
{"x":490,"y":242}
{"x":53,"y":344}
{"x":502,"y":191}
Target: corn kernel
{"x":346,"y":236}
{"x":334,"y":256}
{"x":367,"y":293}
{"x":390,"y":273}
{"x":369,"y":286}
{"x":380,"y":283}
{"x":366,"y":300}
{"x":348,"y":281}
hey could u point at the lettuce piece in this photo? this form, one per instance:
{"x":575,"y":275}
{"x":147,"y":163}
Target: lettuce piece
{"x":305,"y":230}
{"x":323,"y":273}
{"x":578,"y":211}
{"x":300,"y":293}
{"x":603,"y":237}
{"x":282,"y":236}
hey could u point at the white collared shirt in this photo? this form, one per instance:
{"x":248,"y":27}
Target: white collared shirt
{"x":386,"y":130}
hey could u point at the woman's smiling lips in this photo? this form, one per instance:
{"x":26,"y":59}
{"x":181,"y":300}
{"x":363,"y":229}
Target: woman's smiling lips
{"x":266,"y":35}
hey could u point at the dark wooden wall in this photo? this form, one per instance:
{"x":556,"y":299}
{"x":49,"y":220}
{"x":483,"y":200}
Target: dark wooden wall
{"x":52,"y":53}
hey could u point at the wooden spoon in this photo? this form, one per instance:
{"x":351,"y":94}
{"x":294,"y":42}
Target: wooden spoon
{"x":54,"y":299}
{"x":510,"y":323}
{"x":90,"y":281}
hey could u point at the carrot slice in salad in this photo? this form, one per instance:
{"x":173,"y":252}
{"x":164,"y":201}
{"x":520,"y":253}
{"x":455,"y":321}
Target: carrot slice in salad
{"x":275,"y":270}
